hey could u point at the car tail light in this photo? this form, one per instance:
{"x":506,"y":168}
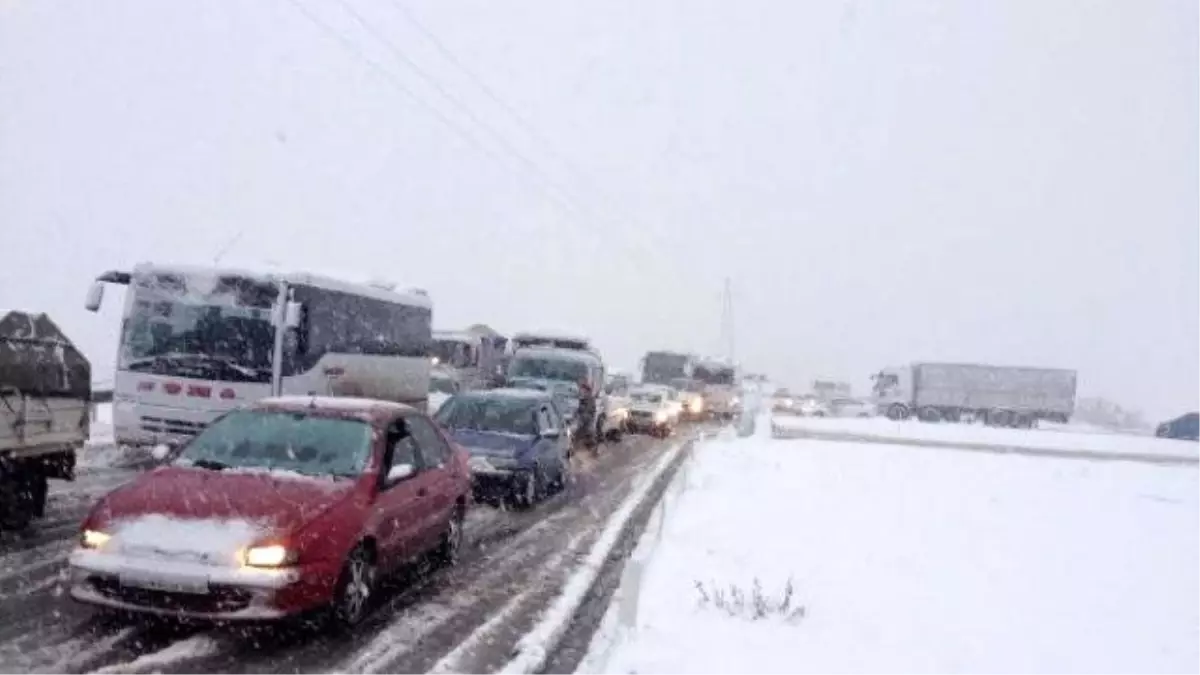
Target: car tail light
{"x":145,"y":386}
{"x":228,"y":394}
{"x":172,"y":388}
{"x":200,"y":391}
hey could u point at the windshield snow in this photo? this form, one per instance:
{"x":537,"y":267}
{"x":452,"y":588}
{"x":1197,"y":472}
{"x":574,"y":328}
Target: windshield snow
{"x":305,"y":444}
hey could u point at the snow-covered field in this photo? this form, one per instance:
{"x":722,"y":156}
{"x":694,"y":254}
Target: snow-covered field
{"x":1056,"y":438}
{"x":902,"y":560}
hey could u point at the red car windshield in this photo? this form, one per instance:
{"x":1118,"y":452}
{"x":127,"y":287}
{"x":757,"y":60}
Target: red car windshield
{"x":281,"y":441}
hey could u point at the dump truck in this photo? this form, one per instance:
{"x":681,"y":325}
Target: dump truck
{"x":45,"y":412}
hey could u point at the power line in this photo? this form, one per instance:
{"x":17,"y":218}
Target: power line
{"x":520,"y":119}
{"x":483,"y":86}
{"x":396,"y":83}
{"x":455,"y":101}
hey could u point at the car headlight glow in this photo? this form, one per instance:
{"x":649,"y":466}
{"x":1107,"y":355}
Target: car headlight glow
{"x":660,"y":416}
{"x":94,"y":539}
{"x":272,"y":555}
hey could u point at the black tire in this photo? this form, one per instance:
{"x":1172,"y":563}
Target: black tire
{"x":447,"y":552}
{"x":897,"y":412}
{"x":525,"y":490}
{"x":355,"y":588}
{"x":18,"y":501}
{"x":562,"y":477}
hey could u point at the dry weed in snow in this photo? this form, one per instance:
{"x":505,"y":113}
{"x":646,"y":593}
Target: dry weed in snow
{"x":753,"y":604}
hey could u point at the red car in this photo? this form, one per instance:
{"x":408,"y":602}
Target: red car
{"x":288,"y":505}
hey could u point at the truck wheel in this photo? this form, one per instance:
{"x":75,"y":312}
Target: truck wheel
{"x":897,"y":412}
{"x":18,"y":501}
{"x":928,"y":414}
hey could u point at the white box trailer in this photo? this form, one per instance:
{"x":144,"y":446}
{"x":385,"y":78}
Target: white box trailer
{"x":1002,"y":395}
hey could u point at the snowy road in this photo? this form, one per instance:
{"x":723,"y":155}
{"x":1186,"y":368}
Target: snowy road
{"x":514,"y":564}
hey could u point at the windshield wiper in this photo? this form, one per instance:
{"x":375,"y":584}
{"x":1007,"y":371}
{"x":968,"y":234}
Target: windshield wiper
{"x":211,"y":464}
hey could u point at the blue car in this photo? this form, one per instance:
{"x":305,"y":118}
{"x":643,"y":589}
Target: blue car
{"x":1184,"y":428}
{"x":518,"y":443}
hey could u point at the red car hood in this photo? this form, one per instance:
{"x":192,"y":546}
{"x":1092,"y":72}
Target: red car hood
{"x":281,"y":503}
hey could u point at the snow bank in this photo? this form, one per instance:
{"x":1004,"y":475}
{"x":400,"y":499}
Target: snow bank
{"x":908,"y":561}
{"x":878,"y":428}
{"x":533,"y":649}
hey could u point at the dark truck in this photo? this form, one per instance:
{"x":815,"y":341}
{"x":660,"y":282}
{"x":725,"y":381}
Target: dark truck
{"x":45,"y":406}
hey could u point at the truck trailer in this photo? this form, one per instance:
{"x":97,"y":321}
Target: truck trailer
{"x":1000,"y":395}
{"x":45,"y":412}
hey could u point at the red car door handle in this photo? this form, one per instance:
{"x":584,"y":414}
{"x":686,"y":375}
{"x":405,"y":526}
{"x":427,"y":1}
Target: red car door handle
{"x":421,"y":492}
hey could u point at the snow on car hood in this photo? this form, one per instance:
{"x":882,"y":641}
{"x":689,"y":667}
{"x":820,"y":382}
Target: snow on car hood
{"x":211,"y":540}
{"x":270,"y":499}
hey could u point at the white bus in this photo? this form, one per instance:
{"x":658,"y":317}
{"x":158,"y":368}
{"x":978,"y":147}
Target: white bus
{"x":198,"y":341}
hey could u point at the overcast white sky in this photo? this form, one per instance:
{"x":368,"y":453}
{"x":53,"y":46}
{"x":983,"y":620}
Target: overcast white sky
{"x":1012,"y":183}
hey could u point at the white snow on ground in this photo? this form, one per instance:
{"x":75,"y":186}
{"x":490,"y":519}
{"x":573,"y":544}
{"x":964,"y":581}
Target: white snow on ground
{"x":195,"y":647}
{"x":533,"y":649}
{"x":101,"y":449}
{"x":1058,"y":439}
{"x":911,"y":561}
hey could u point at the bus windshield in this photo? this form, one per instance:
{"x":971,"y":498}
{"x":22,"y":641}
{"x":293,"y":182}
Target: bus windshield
{"x":219,"y":332}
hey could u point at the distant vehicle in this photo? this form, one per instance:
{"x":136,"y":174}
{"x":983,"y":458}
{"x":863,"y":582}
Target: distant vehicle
{"x":199,"y":341}
{"x":665,"y":367}
{"x":1003,"y":396}
{"x":850,"y":407}
{"x":475,"y":356}
{"x":518,"y":444}
{"x":810,"y":405}
{"x":652,"y":412}
{"x":691,"y":397}
{"x":827,"y":390}
{"x":565,"y":371}
{"x":1185,"y":428}
{"x":722,"y":396}
{"x":285,"y":506}
{"x":45,"y":413}
{"x":782,"y":401}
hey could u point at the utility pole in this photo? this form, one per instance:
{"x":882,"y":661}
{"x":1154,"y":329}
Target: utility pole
{"x":727,"y":322}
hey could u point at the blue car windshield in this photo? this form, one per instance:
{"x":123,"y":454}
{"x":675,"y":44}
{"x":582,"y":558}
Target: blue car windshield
{"x":490,"y":413}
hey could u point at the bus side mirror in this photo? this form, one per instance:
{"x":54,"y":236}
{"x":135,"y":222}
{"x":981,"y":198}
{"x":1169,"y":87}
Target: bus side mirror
{"x":291,"y":318}
{"x":95,"y":297}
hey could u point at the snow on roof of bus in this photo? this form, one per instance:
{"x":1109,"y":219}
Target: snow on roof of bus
{"x":367,"y":287}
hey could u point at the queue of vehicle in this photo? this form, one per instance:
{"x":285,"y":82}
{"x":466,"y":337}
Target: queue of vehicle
{"x":314,"y":435}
